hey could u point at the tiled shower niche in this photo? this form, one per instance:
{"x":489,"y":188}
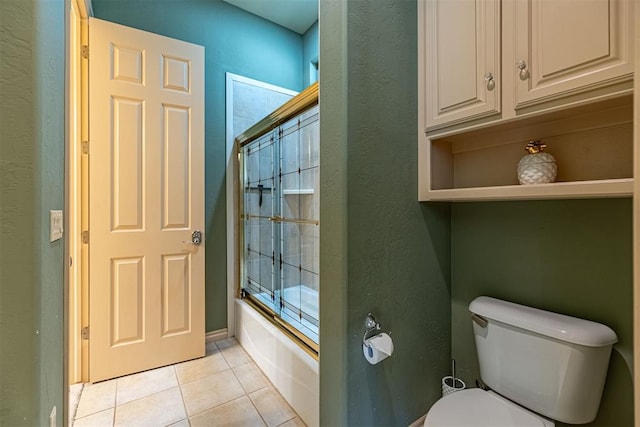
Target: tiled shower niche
{"x":281,"y":215}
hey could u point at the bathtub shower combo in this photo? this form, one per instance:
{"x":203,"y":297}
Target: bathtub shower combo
{"x":280,"y":211}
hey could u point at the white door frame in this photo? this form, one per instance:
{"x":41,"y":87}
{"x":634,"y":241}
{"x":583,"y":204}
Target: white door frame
{"x":76,"y":129}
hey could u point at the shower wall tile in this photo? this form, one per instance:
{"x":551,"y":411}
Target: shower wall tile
{"x":309,"y":178}
{"x":291,"y":243}
{"x":276,"y":99}
{"x":240,"y":125}
{"x":266,"y":170}
{"x":310,"y":280}
{"x":309,"y":245}
{"x":290,"y":206}
{"x":253,"y":235}
{"x":290,"y":181}
{"x":249,"y":102}
{"x":310,"y":112}
{"x":252,"y":169}
{"x":252,"y":266}
{"x":252,"y":199}
{"x":289,"y":161}
{"x":266,"y":273}
{"x":290,"y":276}
{"x":309,"y":147}
{"x":268,"y":207}
{"x":266,"y":236}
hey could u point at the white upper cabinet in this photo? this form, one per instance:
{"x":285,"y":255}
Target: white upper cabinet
{"x":489,"y":60}
{"x":461,"y":60}
{"x":496,"y":74}
{"x":566,"y":47}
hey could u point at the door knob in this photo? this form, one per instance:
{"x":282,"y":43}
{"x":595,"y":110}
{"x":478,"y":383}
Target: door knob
{"x":196,"y":238}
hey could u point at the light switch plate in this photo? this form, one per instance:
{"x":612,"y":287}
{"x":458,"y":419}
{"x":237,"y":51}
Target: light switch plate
{"x":55,"y":225}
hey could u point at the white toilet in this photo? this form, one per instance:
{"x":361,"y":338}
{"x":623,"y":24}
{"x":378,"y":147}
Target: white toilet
{"x":539,"y":367}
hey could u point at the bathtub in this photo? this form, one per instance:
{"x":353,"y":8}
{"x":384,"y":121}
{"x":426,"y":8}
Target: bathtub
{"x":289,"y":368}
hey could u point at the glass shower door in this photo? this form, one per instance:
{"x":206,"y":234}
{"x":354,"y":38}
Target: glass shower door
{"x":300,"y":233}
{"x":282,"y":219}
{"x":259,"y":229}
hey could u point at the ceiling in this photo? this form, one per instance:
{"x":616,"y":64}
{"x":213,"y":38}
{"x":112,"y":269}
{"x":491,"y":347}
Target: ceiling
{"x":296,"y":15}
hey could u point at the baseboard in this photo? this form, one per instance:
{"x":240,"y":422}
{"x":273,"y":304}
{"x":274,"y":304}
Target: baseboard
{"x":220,"y":334}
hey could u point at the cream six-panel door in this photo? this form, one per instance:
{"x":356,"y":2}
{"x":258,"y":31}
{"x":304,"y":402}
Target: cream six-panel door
{"x":146,"y":198}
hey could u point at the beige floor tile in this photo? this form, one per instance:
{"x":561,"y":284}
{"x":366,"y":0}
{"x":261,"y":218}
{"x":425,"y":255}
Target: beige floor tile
{"x":96,"y":398}
{"x":146,"y":383}
{"x":235,"y":355}
{"x":159,"y":409}
{"x":101,"y":419}
{"x":182,"y":423}
{"x":74,"y":399}
{"x":226,"y":342}
{"x":296,"y":422}
{"x":251,"y":377}
{"x":200,"y":368}
{"x":211,"y":347}
{"x":206,"y":393}
{"x":271,"y":406}
{"x":237,"y":413}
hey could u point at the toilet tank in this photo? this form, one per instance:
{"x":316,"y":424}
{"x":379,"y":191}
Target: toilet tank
{"x":550,"y":363}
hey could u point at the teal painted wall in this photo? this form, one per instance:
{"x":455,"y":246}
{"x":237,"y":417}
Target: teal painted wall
{"x":32,"y":183}
{"x":396,"y":254}
{"x":237,"y":42}
{"x":573,"y":257}
{"x":310,"y":50}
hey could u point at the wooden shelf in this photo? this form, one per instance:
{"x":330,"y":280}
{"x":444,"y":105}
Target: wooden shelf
{"x":298,"y":192}
{"x":593,"y":146}
{"x":558,"y":190}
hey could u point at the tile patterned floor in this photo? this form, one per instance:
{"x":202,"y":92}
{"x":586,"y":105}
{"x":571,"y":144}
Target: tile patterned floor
{"x":224,"y":388}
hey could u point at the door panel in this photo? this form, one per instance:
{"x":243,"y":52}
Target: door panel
{"x":462,"y":48}
{"x":570,"y":47}
{"x":127,"y":296}
{"x":146,"y":180}
{"x":176,"y":167}
{"x":127,"y":167}
{"x":176,"y":291}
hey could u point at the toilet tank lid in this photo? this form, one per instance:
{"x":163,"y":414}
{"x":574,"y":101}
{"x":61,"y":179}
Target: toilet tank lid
{"x":554,"y":325}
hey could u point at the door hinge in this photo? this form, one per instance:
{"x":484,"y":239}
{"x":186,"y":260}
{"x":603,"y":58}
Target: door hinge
{"x":84,"y":51}
{"x":85,"y":147}
{"x":85,"y":237}
{"x":85,"y":333}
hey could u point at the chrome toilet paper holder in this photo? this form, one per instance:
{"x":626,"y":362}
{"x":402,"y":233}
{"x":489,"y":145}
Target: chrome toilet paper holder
{"x":370,"y":325}
{"x":377,"y":346}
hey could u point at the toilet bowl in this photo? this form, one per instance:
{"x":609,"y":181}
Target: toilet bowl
{"x":475,"y":407}
{"x":541,"y":366}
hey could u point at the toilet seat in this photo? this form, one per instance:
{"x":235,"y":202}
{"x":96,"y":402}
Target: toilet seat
{"x":478,"y":408}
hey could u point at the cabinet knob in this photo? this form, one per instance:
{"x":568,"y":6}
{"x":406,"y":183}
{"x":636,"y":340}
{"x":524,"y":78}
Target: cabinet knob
{"x":524,"y":73}
{"x":491,"y":83}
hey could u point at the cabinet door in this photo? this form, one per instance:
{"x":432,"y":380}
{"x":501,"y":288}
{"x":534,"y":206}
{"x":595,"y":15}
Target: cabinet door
{"x":462,"y":59}
{"x":566,"y":47}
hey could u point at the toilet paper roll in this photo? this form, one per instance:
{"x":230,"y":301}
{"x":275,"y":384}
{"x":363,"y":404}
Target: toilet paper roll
{"x":377,"y":348}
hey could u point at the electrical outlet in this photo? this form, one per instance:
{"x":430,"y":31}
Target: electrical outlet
{"x":52,"y":418}
{"x":55,"y":225}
